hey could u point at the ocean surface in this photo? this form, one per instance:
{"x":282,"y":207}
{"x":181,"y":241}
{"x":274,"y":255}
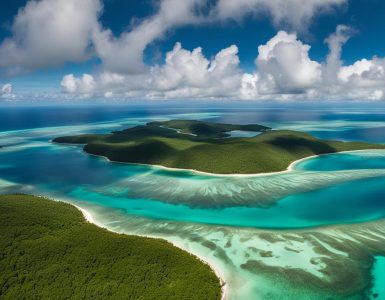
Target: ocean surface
{"x":345,"y":188}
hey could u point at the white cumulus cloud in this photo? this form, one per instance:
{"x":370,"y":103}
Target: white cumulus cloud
{"x":48,"y":33}
{"x":184,"y":73}
{"x":283,"y":67}
{"x":191,"y":69}
{"x":6,"y":91}
{"x":286,"y":59}
{"x":83,"y":85}
{"x":333,"y":61}
{"x":364,"y":73}
{"x":284,"y":70}
{"x":124,"y":54}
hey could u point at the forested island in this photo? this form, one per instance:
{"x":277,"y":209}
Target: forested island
{"x":209,"y":147}
{"x":49,"y":251}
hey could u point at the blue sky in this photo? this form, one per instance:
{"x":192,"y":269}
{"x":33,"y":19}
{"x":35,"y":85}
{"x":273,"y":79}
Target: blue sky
{"x":253,"y":25}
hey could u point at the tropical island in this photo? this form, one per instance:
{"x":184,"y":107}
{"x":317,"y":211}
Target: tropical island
{"x":209,"y":147}
{"x":49,"y":251}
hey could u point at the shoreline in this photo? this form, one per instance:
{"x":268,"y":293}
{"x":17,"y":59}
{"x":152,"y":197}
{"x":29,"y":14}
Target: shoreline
{"x":290,"y":167}
{"x":225,"y":289}
{"x":90,"y":219}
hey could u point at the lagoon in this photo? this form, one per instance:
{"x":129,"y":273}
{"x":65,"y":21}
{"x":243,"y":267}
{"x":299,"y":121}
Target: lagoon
{"x":344,"y":188}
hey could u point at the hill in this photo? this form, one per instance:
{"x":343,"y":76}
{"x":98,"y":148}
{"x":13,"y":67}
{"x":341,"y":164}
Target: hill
{"x":207,"y":146}
{"x":49,"y":251}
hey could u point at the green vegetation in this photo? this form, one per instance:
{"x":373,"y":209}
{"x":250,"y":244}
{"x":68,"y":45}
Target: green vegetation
{"x":48,"y":251}
{"x":211,"y":150}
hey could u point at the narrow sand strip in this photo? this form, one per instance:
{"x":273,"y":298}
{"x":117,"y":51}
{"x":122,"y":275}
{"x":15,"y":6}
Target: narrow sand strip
{"x":290,"y":168}
{"x":224,"y":288}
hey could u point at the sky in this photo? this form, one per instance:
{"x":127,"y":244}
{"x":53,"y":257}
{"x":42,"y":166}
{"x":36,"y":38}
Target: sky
{"x":252,"y":50}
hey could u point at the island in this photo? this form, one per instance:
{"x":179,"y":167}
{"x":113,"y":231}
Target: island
{"x":209,"y":147}
{"x":49,"y":251}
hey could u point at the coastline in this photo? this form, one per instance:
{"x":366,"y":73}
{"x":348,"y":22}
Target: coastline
{"x":218,"y":273}
{"x":290,"y":167}
{"x":225,"y":291}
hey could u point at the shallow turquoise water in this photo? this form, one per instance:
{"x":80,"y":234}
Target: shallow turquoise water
{"x":331,"y":205}
{"x":378,"y":273}
{"x":65,"y":171}
{"x":344,"y":161}
{"x":333,"y":189}
{"x":280,"y":201}
{"x":243,"y":133}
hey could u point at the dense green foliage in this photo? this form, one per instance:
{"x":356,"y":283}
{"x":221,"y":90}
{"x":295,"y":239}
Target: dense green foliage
{"x":48,"y":251}
{"x":154,"y":144}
